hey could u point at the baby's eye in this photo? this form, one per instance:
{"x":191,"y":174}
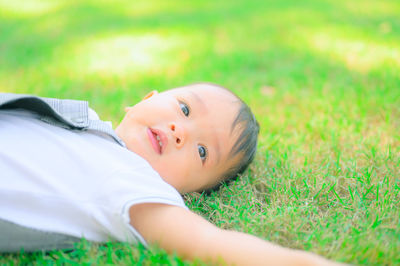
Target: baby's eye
{"x":185,"y":108}
{"x":202,"y":152}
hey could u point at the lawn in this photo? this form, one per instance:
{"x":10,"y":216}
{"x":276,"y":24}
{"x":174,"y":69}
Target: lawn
{"x":322,"y":76}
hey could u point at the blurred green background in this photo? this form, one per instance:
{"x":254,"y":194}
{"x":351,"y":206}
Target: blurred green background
{"x":322,"y":77}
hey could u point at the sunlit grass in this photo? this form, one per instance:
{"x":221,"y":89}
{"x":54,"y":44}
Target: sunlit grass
{"x":359,"y":55}
{"x":321,"y":76}
{"x":128,"y":55}
{"x":28,"y":7}
{"x":370,"y":7}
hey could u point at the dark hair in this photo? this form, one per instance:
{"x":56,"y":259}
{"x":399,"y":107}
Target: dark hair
{"x":246,"y":143}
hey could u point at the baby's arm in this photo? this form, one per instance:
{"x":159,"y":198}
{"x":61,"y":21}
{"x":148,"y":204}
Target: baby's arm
{"x":190,"y":236}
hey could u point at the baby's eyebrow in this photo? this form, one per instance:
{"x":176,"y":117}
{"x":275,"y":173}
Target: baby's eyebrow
{"x":199,"y":101}
{"x":217,"y":149}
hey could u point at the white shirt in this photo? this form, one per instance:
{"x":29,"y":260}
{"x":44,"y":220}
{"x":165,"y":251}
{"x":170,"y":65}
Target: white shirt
{"x":73,"y":182}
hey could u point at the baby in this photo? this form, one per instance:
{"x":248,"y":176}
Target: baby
{"x":65,"y":174}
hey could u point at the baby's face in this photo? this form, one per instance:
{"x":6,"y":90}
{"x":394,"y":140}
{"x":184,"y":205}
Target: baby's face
{"x":184,"y":133}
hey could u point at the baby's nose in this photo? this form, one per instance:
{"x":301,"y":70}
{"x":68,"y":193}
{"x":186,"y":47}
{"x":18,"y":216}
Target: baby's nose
{"x":178,"y":133}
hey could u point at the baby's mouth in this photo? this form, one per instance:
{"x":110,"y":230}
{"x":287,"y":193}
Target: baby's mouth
{"x":157,"y":139}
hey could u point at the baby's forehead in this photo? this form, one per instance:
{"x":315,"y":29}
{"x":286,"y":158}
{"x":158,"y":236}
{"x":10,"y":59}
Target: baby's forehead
{"x":208,"y":92}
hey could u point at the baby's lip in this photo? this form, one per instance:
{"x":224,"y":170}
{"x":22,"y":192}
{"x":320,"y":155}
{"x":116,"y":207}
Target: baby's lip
{"x":153,"y":134}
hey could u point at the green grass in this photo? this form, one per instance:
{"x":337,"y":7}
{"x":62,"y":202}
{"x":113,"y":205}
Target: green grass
{"x":322,"y":77}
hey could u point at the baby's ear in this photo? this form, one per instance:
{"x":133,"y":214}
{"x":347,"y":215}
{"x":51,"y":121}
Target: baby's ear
{"x":150,"y":94}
